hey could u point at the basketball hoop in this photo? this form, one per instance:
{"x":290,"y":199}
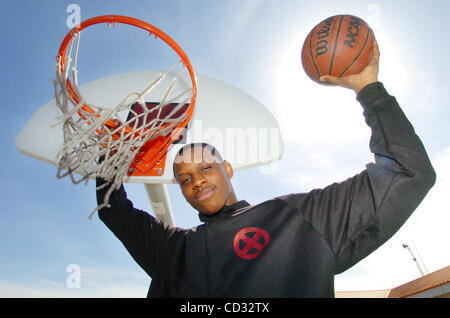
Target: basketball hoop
{"x":132,"y":145}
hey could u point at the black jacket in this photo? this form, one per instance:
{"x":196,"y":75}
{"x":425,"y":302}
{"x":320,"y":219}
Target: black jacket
{"x":290,"y":246}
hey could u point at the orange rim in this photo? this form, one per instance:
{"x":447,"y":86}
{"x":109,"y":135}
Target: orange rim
{"x":113,"y":19}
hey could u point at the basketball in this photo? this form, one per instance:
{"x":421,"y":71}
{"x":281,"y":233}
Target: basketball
{"x":338,"y":46}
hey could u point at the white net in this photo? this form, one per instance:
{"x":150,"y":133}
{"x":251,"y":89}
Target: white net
{"x":97,"y":142}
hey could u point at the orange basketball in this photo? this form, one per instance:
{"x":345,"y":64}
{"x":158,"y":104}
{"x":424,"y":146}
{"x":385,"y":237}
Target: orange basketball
{"x":337,"y":46}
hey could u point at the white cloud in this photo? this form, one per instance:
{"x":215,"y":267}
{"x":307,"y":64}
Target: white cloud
{"x":306,"y":167}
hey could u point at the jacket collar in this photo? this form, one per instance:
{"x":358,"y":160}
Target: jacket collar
{"x":226,"y":210}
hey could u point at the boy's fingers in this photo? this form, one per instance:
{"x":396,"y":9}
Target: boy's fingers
{"x":376,"y":50}
{"x":329,"y":79}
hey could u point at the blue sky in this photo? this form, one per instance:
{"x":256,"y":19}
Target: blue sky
{"x":255,"y":45}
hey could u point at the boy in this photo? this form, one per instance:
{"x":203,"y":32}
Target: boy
{"x":290,"y":246}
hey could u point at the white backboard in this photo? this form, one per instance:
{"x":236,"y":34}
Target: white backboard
{"x":240,"y":127}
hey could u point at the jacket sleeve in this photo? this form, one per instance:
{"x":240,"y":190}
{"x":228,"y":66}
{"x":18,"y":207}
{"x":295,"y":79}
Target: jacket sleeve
{"x":360,"y":214}
{"x":146,"y":238}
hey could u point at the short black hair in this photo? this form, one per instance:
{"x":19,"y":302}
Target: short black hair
{"x":203,"y":145}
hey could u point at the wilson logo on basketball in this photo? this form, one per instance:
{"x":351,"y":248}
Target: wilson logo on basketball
{"x":322,"y":35}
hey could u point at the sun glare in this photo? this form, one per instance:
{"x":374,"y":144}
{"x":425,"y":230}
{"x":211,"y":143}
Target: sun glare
{"x":312,"y":113}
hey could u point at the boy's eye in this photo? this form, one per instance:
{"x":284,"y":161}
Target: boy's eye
{"x":206,"y":167}
{"x":185,"y":180}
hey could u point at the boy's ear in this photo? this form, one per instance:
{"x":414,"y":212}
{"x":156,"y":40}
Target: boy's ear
{"x":228,"y":169}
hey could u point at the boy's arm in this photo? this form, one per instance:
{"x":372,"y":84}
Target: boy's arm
{"x":144,"y":236}
{"x":361,"y":213}
{"x":394,"y":186}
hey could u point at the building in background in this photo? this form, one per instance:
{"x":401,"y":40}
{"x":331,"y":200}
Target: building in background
{"x":433,"y":285}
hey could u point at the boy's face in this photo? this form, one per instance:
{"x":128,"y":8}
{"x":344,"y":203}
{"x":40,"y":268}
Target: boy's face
{"x":204,"y":181}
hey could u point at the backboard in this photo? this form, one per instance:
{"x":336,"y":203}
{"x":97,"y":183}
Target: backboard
{"x":241,"y":128}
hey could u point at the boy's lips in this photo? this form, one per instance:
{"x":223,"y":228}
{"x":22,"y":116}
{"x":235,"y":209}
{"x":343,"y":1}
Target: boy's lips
{"x":204,"y":194}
